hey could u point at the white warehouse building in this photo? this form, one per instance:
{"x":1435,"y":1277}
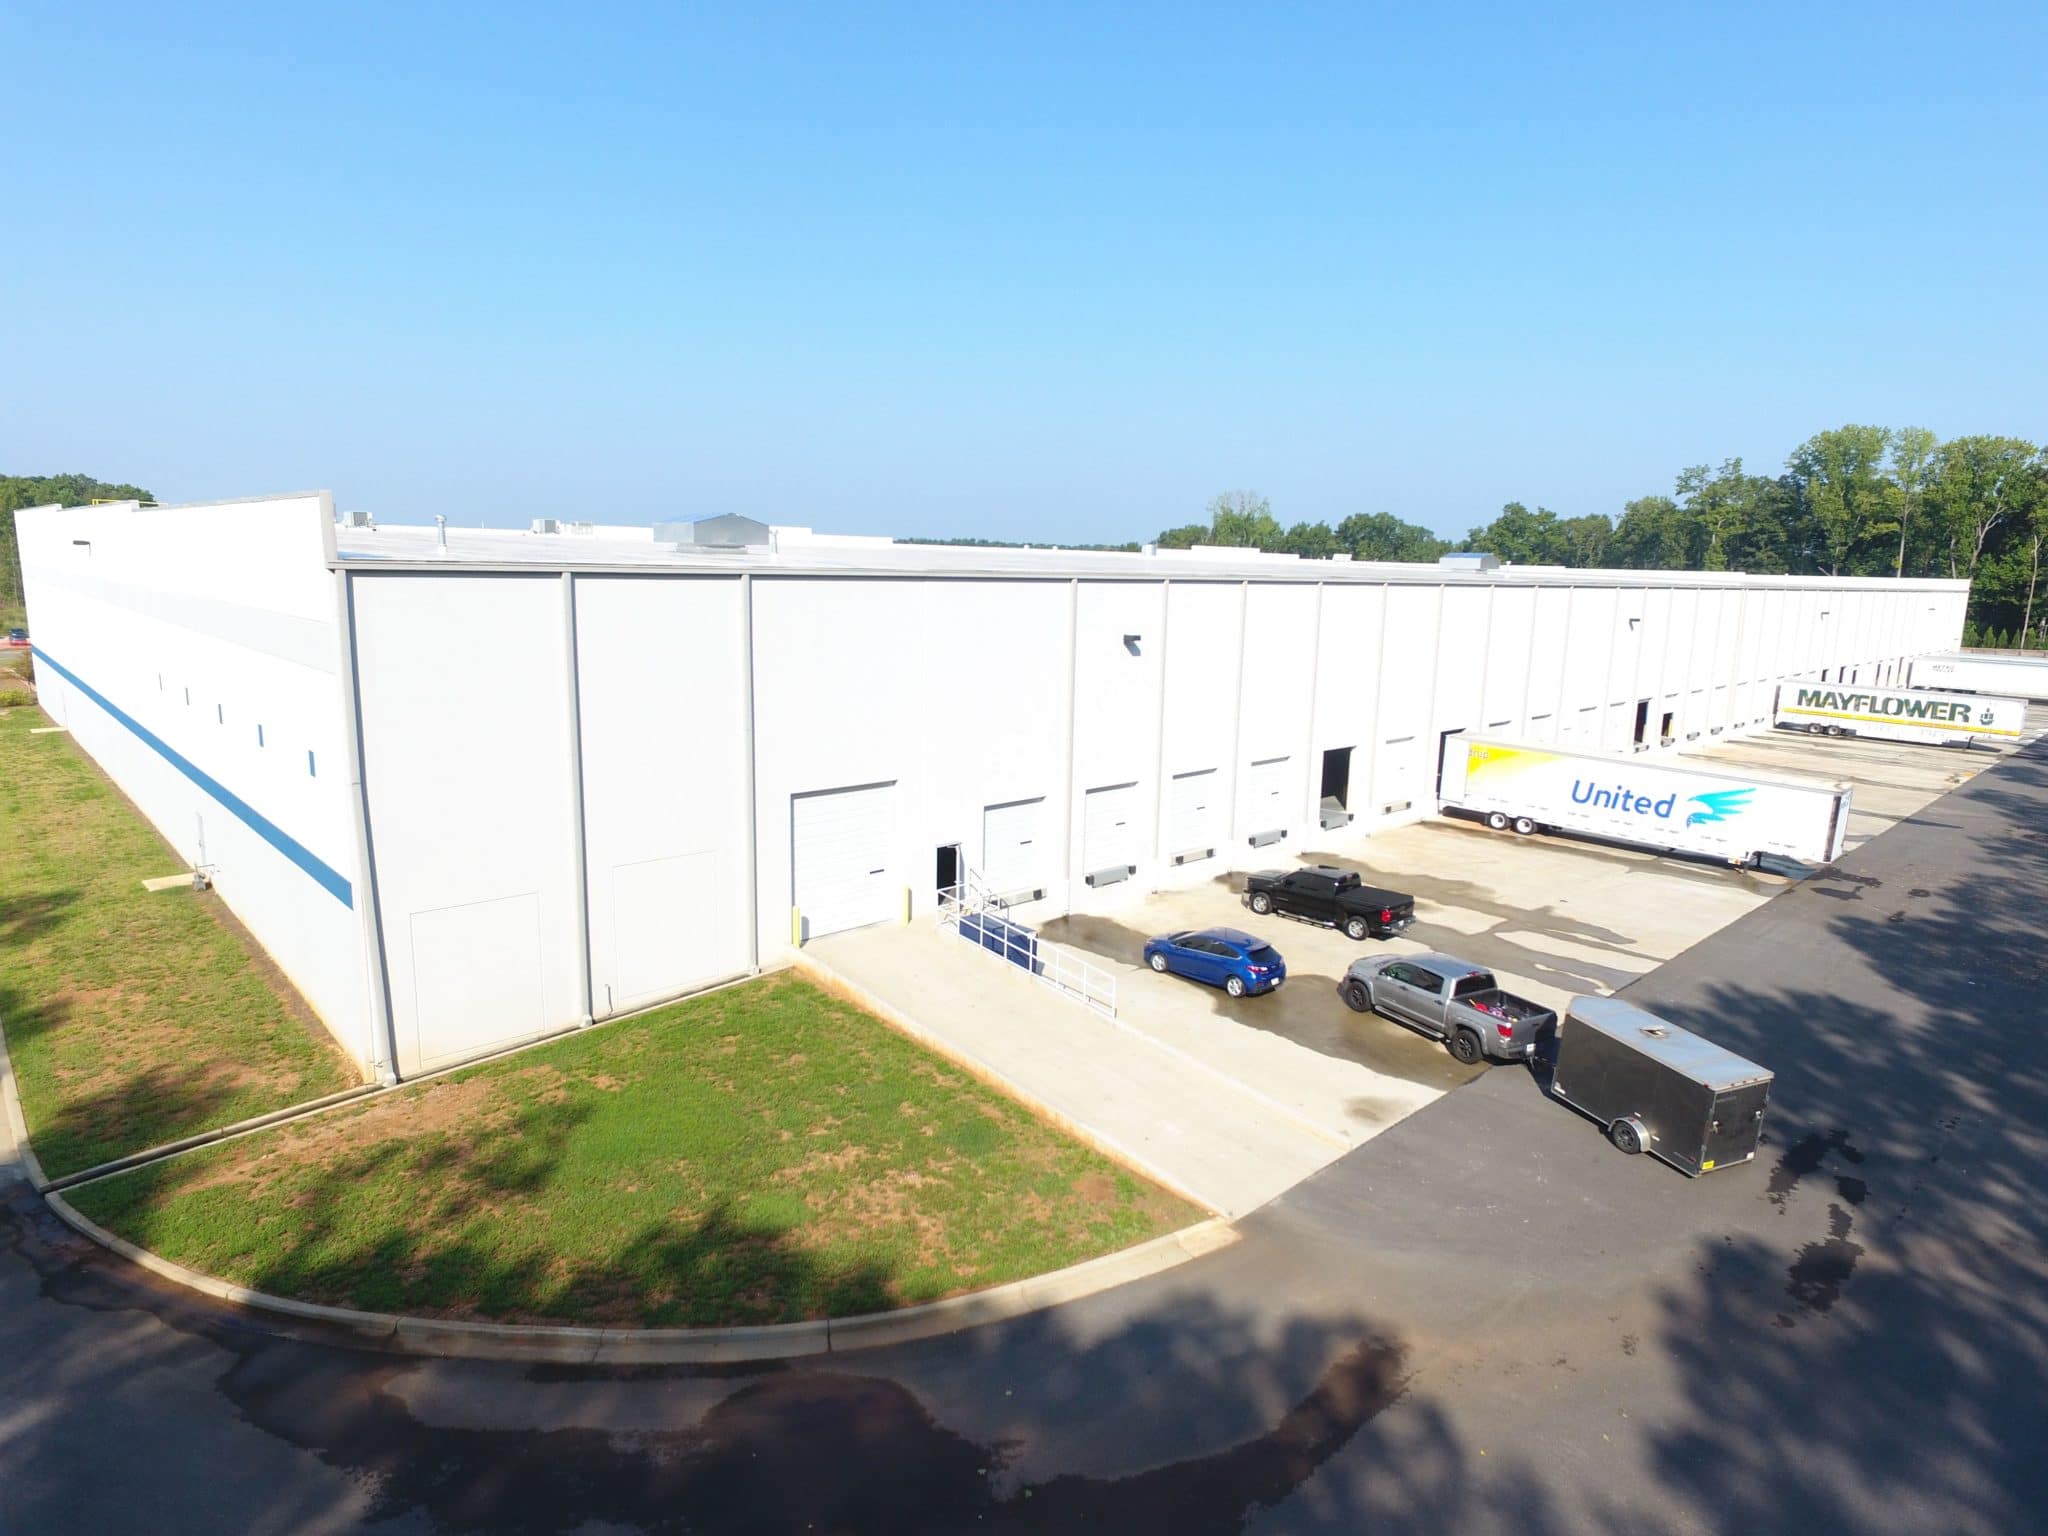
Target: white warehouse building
{"x":470,"y":787}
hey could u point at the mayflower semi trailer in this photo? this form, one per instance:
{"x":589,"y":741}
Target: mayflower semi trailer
{"x":2023,"y":677}
{"x":1897,"y":714}
{"x":1734,"y":816}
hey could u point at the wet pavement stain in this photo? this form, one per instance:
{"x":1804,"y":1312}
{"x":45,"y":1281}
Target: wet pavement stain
{"x":793,"y":1450}
{"x":1822,"y":1269}
{"x":1803,"y":1157}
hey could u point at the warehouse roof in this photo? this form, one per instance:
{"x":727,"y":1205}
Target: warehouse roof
{"x":799,"y":551}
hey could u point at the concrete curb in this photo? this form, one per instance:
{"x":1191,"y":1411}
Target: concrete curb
{"x":687,"y":1346}
{"x":17,"y":1122}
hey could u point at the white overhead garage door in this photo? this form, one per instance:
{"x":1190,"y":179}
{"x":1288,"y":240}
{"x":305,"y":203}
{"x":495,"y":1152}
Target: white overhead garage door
{"x":1266,"y":797}
{"x":1191,"y":812}
{"x":842,"y":843}
{"x":1011,"y":838}
{"x":1109,"y":828}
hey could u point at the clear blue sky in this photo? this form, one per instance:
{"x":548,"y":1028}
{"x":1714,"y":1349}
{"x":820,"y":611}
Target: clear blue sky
{"x":1024,"y":272}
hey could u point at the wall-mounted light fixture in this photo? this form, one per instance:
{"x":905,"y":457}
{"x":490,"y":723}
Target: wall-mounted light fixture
{"x":1131,"y":643}
{"x":1632,"y":623}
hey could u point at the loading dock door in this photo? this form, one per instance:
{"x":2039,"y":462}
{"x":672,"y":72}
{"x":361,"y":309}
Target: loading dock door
{"x":1266,"y":798}
{"x":1011,"y":836}
{"x":1109,"y":828}
{"x":1191,"y":808}
{"x":842,"y":872}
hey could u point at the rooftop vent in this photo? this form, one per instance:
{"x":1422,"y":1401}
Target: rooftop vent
{"x":726,"y":531}
{"x":1469,"y":560}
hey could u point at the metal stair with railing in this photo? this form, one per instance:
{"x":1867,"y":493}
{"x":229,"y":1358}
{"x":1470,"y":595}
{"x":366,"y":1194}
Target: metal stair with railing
{"x":982,"y":917}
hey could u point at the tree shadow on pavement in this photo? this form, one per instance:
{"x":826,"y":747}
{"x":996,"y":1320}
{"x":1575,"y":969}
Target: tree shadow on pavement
{"x":1890,"y":1371}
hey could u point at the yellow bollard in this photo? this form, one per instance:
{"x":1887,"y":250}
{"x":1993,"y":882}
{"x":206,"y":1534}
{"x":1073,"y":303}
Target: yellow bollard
{"x":796,"y":928}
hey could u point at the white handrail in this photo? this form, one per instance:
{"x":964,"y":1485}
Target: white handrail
{"x":1055,"y":965}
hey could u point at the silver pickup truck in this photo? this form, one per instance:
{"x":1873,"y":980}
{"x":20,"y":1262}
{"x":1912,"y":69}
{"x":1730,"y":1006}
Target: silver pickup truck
{"x":1450,"y":1000}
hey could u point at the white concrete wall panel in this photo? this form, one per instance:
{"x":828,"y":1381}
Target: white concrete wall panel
{"x":1464,"y":618}
{"x":1278,"y":695}
{"x":1590,"y":631}
{"x":1628,"y":647}
{"x":663,"y":715}
{"x":1204,"y":628}
{"x":1510,"y":658}
{"x":1549,"y":640}
{"x":1116,"y":710}
{"x":1409,"y":659}
{"x":1347,"y":678}
{"x":194,"y":653}
{"x":466,"y":750}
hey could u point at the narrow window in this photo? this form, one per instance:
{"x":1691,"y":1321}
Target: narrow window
{"x":259,"y":735}
{"x":220,"y":716}
{"x":188,"y":698}
{"x":311,"y":772}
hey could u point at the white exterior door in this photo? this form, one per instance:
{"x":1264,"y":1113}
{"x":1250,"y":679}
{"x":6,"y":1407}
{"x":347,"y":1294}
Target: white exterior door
{"x":1266,"y":798}
{"x":1109,"y":827}
{"x":1011,"y":837}
{"x":1191,"y":807}
{"x":842,"y":844}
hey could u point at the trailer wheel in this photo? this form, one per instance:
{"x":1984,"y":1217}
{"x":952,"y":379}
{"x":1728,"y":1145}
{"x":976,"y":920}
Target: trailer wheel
{"x":1497,"y":820}
{"x":1261,"y":903}
{"x":1836,"y":730}
{"x":1357,"y":998}
{"x":1815,"y":728}
{"x":1524,"y":827}
{"x":1627,"y":1136}
{"x":1466,"y":1047}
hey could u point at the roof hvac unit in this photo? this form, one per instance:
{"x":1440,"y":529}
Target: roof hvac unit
{"x":358,"y":519}
{"x":545,"y":525}
{"x":1469,"y":560}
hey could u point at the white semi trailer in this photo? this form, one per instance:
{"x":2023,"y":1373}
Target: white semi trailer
{"x":1725,"y":815}
{"x":1897,"y":714}
{"x":2024,"y":677}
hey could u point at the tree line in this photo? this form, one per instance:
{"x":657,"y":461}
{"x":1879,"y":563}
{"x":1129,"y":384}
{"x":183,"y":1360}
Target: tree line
{"x":1852,"y":501}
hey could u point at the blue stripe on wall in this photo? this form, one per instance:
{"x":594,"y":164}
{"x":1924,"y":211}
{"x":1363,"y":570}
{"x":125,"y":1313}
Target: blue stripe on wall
{"x":330,"y":879}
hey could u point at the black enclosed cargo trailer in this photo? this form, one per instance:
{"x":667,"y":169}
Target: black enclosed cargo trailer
{"x":1658,"y":1088}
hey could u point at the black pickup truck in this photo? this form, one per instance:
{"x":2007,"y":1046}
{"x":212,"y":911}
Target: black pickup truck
{"x":1336,"y":898}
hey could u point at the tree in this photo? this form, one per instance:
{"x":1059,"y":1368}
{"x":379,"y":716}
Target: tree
{"x":1841,"y":483}
{"x":1912,"y":467}
{"x":2036,"y":531}
{"x":1312,"y":541}
{"x":18,"y":491}
{"x":1586,"y":540}
{"x":1187,"y":536}
{"x":1243,"y":520}
{"x":1383,"y":536}
{"x":1520,"y":536}
{"x":1657,"y":534}
{"x":1981,"y":483}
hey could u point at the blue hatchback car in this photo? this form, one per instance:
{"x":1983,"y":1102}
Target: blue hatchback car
{"x":1238,"y":962}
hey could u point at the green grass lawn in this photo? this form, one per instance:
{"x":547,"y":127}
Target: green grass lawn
{"x":760,"y":1154}
{"x":132,"y":1019}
